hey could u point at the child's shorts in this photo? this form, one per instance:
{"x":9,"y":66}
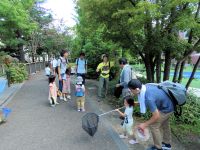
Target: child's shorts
{"x":128,"y":128}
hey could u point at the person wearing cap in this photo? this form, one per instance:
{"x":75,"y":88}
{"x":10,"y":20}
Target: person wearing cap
{"x":81,"y":66}
{"x":62,"y":66}
{"x":160,"y":105}
{"x":125,"y":76}
{"x":104,"y":69}
{"x":80,"y":94}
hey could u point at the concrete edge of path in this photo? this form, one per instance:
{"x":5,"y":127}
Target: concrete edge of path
{"x":9,"y":93}
{"x":120,"y":144}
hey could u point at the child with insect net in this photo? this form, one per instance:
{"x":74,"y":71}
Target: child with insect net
{"x":127,"y":124}
{"x":80,"y":94}
{"x":66,"y":85}
{"x":52,"y":90}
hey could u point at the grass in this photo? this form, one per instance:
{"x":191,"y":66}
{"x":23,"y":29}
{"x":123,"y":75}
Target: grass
{"x":195,"y":82}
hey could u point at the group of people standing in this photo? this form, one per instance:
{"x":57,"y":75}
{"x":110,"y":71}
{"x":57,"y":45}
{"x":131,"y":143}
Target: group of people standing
{"x":149,"y":96}
{"x":61,"y":69}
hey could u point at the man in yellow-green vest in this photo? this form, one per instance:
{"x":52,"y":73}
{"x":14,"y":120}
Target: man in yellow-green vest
{"x":104,"y":70}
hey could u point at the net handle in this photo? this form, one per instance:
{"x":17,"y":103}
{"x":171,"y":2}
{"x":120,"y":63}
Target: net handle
{"x":110,"y":111}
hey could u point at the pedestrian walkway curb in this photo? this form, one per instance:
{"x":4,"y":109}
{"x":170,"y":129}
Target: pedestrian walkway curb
{"x":9,"y":93}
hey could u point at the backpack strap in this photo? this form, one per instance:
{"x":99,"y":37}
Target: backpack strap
{"x":77,"y":60}
{"x":85,"y":63}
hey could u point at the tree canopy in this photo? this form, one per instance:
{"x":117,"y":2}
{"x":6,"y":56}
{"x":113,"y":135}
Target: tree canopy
{"x":149,"y":29}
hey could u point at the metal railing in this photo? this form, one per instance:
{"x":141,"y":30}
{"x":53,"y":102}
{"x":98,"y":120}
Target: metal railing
{"x":2,"y":70}
{"x":30,"y":67}
{"x":35,"y":67}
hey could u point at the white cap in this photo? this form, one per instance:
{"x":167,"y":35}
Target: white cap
{"x":79,"y":80}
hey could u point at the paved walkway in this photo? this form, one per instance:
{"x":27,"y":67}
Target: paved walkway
{"x":33,"y":125}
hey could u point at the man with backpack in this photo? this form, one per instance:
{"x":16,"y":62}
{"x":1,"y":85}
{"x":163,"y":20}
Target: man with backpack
{"x":62,"y":65}
{"x":161,"y":106}
{"x":81,"y":66}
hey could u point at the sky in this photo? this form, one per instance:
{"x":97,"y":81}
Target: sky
{"x":62,"y":9}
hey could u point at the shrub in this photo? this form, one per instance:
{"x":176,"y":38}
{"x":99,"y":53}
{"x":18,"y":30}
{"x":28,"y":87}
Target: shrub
{"x":191,"y":111}
{"x":17,"y":72}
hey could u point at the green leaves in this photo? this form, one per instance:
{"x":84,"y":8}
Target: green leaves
{"x":18,"y":73}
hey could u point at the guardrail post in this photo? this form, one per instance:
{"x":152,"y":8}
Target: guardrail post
{"x":35,"y":67}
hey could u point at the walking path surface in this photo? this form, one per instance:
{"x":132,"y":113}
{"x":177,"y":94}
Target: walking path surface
{"x":34,"y":125}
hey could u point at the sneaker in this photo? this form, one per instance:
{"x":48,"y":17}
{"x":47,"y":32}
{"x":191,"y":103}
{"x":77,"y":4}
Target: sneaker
{"x":57,"y":103}
{"x":61,"y":97}
{"x":166,"y":146}
{"x":65,"y":99}
{"x":122,"y":136}
{"x":78,"y":110}
{"x":132,"y":142}
{"x":53,"y":105}
{"x":83,"y":110}
{"x":153,"y":148}
{"x":69,"y":97}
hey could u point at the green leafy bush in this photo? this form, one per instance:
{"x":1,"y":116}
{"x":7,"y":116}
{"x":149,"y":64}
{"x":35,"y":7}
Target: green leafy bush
{"x":191,"y":112}
{"x":17,"y":72}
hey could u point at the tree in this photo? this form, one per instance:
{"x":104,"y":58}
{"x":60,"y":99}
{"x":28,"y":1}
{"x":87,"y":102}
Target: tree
{"x":145,"y":28}
{"x":15,"y":25}
{"x":193,"y":72}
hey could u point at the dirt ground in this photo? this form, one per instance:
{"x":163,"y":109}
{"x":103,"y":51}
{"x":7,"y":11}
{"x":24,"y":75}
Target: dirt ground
{"x":115,"y":122}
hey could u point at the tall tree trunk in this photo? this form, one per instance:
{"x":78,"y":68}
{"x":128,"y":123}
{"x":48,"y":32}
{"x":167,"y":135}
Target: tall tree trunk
{"x":181,"y":72}
{"x":20,"y":47}
{"x":33,"y":57}
{"x":158,"y":68}
{"x":167,"y":65}
{"x":176,"y":71}
{"x":148,"y":68}
{"x":193,"y":72}
{"x":21,"y":53}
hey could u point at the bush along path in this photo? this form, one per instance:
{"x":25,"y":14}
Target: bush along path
{"x":183,"y":136}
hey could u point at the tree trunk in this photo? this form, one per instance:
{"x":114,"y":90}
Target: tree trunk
{"x":21,"y":53}
{"x":167,"y":65}
{"x":176,"y":71}
{"x":20,"y":47}
{"x":33,"y":57}
{"x":158,"y":68}
{"x":148,"y":72}
{"x":148,"y":68}
{"x":193,"y":72}
{"x":181,"y":72}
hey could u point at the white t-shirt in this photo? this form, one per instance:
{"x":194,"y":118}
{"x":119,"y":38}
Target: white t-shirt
{"x":62,"y":63}
{"x":54,"y":63}
{"x":47,"y":71}
{"x":129,"y":114}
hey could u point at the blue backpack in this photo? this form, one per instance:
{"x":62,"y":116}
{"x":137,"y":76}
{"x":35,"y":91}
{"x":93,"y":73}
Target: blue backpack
{"x":79,"y":92}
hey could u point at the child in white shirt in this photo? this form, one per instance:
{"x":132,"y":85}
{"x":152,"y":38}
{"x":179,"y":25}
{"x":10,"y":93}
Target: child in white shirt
{"x":128,"y":121}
